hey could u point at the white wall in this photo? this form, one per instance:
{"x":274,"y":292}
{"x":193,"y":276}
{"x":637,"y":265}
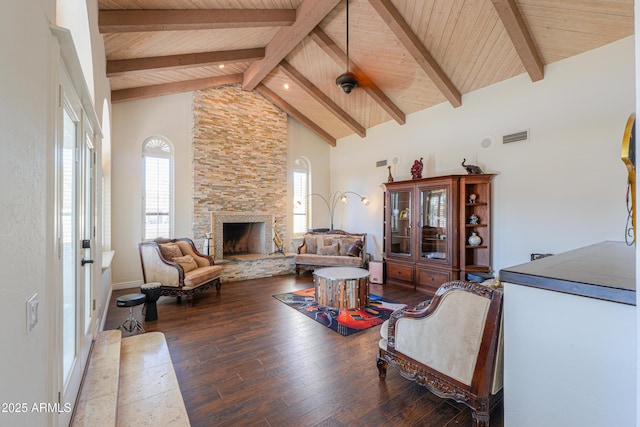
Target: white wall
{"x":28,"y":90}
{"x":133,"y":122}
{"x":304,"y":143}
{"x":25,"y":129}
{"x":563,"y":189}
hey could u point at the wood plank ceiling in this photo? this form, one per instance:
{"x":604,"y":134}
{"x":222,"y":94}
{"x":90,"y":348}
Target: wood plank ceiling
{"x":408,"y":55}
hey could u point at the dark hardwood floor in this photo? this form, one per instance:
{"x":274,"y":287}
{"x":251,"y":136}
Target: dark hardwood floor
{"x":244,"y":358}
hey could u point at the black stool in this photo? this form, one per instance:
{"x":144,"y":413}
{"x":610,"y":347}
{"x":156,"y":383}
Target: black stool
{"x":130,"y":300}
{"x":152,"y":291}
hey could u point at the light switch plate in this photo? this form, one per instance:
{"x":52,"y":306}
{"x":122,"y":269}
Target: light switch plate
{"x":32,"y":312}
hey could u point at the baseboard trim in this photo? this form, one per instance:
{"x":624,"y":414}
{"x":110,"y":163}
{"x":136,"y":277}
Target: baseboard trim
{"x":127,"y":285}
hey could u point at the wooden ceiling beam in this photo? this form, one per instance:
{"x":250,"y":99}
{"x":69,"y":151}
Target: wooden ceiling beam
{"x":177,"y":87}
{"x":323,"y":99}
{"x":122,"y":21}
{"x":116,"y":68}
{"x":325,"y":42}
{"x":520,"y":37}
{"x":308,"y":16}
{"x":392,"y":17}
{"x":290,"y":110}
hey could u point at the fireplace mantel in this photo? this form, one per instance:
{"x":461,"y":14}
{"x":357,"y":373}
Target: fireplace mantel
{"x":218,"y":219}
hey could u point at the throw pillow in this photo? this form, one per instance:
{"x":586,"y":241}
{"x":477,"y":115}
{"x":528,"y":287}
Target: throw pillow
{"x":328,"y":250}
{"x":185,"y":247}
{"x":327,"y":240}
{"x":311,"y":243}
{"x":355,"y":249}
{"x":186,"y":262}
{"x":170,"y":251}
{"x":345,"y":244}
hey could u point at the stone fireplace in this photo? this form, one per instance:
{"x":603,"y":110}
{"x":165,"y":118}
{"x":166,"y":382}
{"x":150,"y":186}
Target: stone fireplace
{"x":241,"y":234}
{"x":240,"y":176}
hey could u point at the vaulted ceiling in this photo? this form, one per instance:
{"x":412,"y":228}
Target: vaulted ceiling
{"x":408,"y":55}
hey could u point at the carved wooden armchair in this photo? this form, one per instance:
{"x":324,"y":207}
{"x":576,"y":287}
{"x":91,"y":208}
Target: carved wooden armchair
{"x":179,"y":267}
{"x":452,"y":345}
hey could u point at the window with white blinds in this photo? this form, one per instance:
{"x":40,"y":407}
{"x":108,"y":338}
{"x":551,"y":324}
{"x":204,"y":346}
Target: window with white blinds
{"x":157,"y":154}
{"x":300,"y":197}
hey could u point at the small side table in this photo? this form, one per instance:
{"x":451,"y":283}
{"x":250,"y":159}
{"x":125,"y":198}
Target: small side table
{"x":342,"y":287}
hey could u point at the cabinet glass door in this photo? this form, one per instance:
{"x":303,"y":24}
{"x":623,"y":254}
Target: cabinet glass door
{"x":433,"y":223}
{"x":400,"y":222}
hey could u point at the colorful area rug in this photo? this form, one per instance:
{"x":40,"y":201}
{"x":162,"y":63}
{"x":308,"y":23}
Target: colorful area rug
{"x":344,"y":322}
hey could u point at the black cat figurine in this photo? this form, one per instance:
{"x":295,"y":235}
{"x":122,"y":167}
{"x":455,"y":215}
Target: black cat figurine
{"x":471,"y":169}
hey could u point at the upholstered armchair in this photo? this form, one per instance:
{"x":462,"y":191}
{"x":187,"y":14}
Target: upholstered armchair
{"x":451,"y":344}
{"x":178,"y":266}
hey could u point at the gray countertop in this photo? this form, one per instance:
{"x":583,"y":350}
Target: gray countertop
{"x":603,"y":271}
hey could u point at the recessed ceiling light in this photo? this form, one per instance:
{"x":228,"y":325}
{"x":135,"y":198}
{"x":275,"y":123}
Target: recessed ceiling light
{"x":221,"y":66}
{"x":286,"y":85}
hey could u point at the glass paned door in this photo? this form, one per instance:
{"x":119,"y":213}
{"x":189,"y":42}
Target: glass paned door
{"x":69,"y":236}
{"x":87,"y":231}
{"x":75,"y":213}
{"x":400,"y":221}
{"x":433,"y":223}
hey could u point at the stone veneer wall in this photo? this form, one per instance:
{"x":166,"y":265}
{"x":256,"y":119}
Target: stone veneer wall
{"x":276,"y":265}
{"x":239,"y":157}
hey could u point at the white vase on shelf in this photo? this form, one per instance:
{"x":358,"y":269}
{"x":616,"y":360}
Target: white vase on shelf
{"x":474,"y":239}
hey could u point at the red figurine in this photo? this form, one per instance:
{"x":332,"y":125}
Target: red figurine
{"x":416,"y":169}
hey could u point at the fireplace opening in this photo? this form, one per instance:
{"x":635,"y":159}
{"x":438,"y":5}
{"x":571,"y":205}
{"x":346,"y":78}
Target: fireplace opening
{"x":248,"y":233}
{"x":240,"y":238}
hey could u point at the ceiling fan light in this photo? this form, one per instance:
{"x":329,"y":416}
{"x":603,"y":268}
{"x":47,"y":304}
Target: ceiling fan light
{"x":347,"y":82}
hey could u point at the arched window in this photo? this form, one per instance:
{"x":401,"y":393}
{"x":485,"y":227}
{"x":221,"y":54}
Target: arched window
{"x":157,"y":191}
{"x":301,"y":199}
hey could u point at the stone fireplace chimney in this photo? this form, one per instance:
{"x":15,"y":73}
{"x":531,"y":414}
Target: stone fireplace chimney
{"x":240,"y":175}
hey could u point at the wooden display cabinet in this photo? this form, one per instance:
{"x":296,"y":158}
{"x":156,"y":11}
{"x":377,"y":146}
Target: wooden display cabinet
{"x":475,"y":198}
{"x":426,"y":230}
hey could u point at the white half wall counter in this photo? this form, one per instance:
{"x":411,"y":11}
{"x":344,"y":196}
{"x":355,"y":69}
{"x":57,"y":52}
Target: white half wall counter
{"x":570,"y":339}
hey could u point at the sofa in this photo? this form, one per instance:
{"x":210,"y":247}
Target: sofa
{"x":334,"y":248}
{"x":179,"y":267}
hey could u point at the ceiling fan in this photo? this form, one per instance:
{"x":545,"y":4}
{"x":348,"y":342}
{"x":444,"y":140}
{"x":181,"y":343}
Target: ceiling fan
{"x":347,"y":81}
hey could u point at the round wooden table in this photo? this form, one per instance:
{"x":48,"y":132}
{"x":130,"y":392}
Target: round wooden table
{"x":342,"y":287}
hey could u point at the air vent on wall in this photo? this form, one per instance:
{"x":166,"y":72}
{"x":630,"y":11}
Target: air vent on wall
{"x":515,"y":137}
